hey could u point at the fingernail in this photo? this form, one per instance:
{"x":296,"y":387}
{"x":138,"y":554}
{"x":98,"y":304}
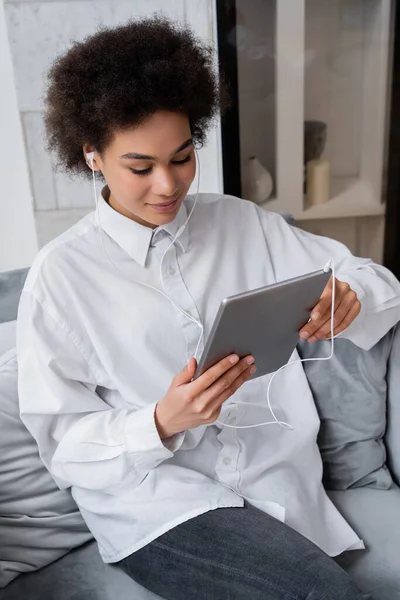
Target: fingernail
{"x":315,"y":316}
{"x":304,"y":335}
{"x":312,"y":339}
{"x":234,"y":359}
{"x":250,"y":360}
{"x":253,"y":370}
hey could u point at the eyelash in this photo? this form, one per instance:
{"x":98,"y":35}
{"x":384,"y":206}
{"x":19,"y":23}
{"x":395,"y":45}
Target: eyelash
{"x":176,"y":162}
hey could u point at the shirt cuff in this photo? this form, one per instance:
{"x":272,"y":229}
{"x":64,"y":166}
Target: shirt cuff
{"x":141,"y":434}
{"x":174,"y":442}
{"x":357,"y":331}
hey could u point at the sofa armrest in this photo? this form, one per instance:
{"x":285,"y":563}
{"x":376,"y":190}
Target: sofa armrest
{"x":393,"y":408}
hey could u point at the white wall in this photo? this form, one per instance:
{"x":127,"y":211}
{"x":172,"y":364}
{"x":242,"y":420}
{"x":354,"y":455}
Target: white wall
{"x":18,"y":242}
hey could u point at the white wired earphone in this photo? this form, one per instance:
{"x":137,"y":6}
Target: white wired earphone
{"x":328,"y":266}
{"x":90,"y":156}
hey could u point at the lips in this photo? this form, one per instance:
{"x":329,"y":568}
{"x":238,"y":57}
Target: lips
{"x":165,"y":203}
{"x":165,"y":206}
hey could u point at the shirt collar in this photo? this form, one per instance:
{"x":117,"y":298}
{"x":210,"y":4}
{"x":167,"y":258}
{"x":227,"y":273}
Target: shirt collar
{"x":173,"y":228}
{"x":134,"y":238}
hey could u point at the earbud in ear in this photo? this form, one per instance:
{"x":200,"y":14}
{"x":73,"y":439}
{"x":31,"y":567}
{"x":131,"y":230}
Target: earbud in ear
{"x":90,"y":157}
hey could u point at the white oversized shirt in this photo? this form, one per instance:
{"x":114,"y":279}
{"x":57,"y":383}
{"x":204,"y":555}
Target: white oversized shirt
{"x":97,"y":350}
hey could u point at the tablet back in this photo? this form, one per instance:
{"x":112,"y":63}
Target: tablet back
{"x":263,"y":322}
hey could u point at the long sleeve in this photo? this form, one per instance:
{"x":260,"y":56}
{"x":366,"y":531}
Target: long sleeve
{"x":82,"y":440}
{"x":294,"y":252}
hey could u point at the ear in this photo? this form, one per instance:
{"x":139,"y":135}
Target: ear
{"x":89,"y":154}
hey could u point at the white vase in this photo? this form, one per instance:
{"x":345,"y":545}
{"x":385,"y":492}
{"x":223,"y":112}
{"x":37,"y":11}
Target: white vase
{"x":257,"y":181}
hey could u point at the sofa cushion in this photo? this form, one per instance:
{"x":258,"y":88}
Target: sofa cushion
{"x":38,"y":521}
{"x":374,"y":515}
{"x":80,"y":575}
{"x":350,"y":394}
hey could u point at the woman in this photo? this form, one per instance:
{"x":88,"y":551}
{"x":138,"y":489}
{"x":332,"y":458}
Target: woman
{"x":115,"y":311}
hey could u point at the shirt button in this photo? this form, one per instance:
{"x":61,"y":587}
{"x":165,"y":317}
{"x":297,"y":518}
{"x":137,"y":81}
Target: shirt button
{"x":171,"y":270}
{"x":227,"y":461}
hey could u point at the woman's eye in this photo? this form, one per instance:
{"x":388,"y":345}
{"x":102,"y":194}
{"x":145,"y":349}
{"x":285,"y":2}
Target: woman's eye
{"x":148,"y":170}
{"x":182,"y":162}
{"x":141,"y":172}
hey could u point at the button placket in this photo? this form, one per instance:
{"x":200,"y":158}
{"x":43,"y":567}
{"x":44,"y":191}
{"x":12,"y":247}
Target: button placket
{"x":226,"y":465}
{"x":176,"y":289}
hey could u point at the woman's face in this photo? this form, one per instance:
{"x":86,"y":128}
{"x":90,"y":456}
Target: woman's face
{"x":149,"y":168}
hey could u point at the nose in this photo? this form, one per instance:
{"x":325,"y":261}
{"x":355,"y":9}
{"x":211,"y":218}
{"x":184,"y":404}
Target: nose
{"x":165,"y":183}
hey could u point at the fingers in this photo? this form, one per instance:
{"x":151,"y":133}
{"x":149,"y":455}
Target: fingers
{"x":212,"y":374}
{"x":321,"y":310}
{"x":226,"y":386}
{"x":212,"y":408}
{"x":340,"y":324}
{"x":319,"y":325}
{"x":186,"y":375}
{"x":349,"y":318}
{"x":324,"y":302}
{"x":230,"y":390}
{"x":346,"y":307}
{"x":229,"y":378}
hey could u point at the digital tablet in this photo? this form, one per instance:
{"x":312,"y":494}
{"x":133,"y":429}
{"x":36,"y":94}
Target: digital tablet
{"x":264,"y":323}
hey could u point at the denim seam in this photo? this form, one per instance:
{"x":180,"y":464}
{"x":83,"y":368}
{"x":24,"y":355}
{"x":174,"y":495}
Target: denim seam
{"x":224,"y":567}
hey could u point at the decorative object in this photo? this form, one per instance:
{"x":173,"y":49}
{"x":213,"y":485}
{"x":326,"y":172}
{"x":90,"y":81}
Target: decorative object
{"x":315,"y":134}
{"x":257,"y":181}
{"x":317,"y":182}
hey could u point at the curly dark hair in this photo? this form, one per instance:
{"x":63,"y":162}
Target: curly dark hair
{"x":118,"y":77}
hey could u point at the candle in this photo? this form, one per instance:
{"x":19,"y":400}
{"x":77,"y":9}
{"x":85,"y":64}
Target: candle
{"x":318,"y":179}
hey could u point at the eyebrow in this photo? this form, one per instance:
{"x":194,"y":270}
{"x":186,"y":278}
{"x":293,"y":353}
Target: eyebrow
{"x":130,"y":155}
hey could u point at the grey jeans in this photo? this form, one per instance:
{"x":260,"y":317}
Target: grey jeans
{"x":237,"y":554}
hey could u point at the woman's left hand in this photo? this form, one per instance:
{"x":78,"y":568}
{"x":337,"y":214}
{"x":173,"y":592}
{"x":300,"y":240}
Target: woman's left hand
{"x":347,"y":308}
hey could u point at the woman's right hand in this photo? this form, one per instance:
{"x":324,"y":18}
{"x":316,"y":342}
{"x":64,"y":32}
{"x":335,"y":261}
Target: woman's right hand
{"x":189,"y":404}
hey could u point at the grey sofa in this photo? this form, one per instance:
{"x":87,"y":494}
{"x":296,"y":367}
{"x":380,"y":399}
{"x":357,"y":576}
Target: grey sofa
{"x":373,"y":513}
